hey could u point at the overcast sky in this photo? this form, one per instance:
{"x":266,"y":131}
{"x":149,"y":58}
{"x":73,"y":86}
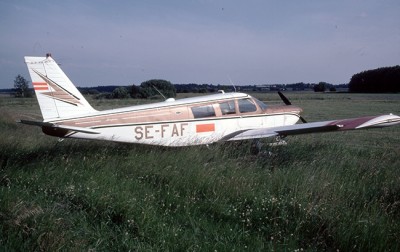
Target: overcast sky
{"x":201,"y":41}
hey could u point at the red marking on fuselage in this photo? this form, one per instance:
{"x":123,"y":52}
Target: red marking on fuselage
{"x":209,"y":127}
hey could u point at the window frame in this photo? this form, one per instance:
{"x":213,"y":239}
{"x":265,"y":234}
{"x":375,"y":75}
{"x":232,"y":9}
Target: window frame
{"x":231,"y":107}
{"x":197,"y":114}
{"x":260,"y":104}
{"x":251,"y":101}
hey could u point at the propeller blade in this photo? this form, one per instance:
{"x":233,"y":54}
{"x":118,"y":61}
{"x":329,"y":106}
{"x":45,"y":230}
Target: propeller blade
{"x":284,"y":99}
{"x":287,"y":102}
{"x":302,"y":119}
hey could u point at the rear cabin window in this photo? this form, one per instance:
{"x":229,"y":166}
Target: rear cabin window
{"x":227,"y":108}
{"x":246,"y":106}
{"x":203,"y":111}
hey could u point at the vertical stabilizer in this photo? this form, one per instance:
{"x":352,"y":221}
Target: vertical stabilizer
{"x":57,"y":96}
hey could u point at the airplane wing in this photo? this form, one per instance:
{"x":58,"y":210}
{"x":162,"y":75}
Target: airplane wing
{"x":315,"y":127}
{"x":66,"y":127}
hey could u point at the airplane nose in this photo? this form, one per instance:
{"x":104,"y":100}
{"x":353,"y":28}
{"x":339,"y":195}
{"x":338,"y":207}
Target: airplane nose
{"x":298,"y":110}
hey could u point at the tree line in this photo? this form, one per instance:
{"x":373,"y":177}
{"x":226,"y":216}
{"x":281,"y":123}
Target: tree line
{"x":148,"y":89}
{"x":384,"y":79}
{"x":157,"y":88}
{"x":380,"y":80}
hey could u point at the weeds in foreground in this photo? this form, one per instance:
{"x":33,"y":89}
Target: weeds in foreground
{"x":314,"y":194}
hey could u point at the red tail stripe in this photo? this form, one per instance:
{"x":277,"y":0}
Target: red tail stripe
{"x":40,"y":86}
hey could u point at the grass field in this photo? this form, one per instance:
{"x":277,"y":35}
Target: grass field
{"x":334,"y":191}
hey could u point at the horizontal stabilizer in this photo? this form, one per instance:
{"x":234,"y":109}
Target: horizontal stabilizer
{"x":66,"y":127}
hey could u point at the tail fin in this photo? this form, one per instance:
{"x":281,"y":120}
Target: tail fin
{"x":56,"y":94}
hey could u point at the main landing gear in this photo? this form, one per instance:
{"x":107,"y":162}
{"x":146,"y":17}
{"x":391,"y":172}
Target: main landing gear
{"x":256,"y":145}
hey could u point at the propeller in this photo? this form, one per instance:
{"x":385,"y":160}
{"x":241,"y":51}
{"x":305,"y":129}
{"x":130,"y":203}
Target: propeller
{"x":287,"y":102}
{"x":284,"y":99}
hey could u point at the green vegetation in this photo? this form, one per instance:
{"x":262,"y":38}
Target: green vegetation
{"x":380,"y":80}
{"x":120,"y":93}
{"x":147,"y":89}
{"x":320,"y":87}
{"x":152,"y":88}
{"x":321,"y":192}
{"x":21,"y":87}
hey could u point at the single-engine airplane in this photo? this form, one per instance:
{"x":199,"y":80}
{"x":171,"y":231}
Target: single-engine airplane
{"x":190,"y":121}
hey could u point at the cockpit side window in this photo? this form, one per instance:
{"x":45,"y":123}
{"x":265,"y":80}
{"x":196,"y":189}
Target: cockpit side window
{"x":246,"y":106}
{"x":227,"y":108}
{"x":261,"y":104}
{"x":203,"y":111}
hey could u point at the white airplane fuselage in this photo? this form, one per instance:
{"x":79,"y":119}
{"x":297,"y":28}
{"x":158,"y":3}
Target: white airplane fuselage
{"x":190,"y":121}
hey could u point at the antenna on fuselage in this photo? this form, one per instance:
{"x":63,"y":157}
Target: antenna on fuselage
{"x":234,"y":87}
{"x":159,"y":92}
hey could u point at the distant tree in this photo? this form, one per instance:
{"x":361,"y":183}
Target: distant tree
{"x":320,"y":87}
{"x":93,"y":91}
{"x":203,"y":90}
{"x":120,"y":93}
{"x":21,"y":87}
{"x":101,"y":96}
{"x":384,"y":79}
{"x":135,"y":92}
{"x":88,"y":91}
{"x":148,"y":88}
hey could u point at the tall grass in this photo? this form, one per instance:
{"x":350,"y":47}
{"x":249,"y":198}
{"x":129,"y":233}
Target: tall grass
{"x":321,"y":192}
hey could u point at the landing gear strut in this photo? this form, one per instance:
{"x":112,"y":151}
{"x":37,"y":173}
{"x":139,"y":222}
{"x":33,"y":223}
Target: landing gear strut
{"x":256,"y":145}
{"x":279,"y":141}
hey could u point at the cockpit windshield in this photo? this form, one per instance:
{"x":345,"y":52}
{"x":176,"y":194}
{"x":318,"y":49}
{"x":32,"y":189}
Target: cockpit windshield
{"x":261,"y":104}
